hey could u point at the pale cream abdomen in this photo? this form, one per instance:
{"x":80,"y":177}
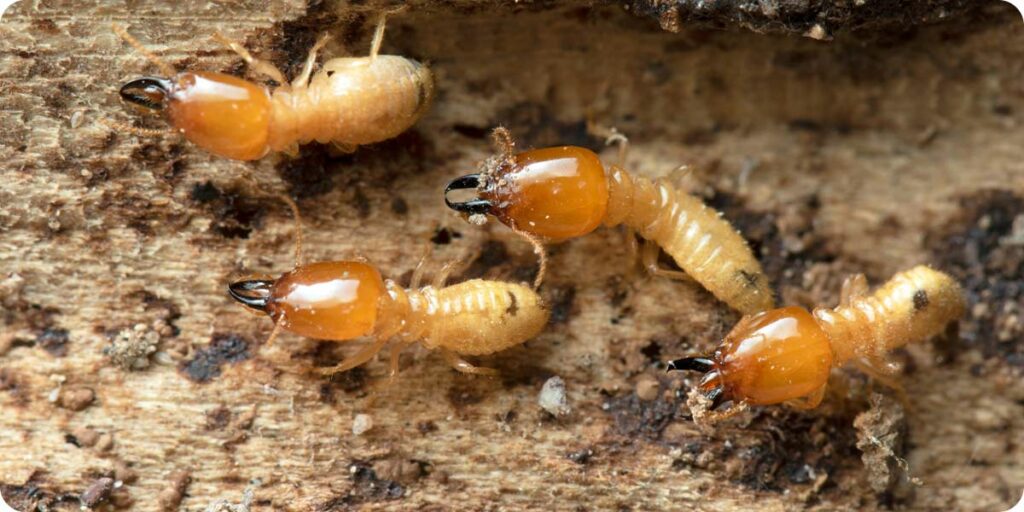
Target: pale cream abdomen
{"x":914,"y":305}
{"x":352,"y":101}
{"x":480,"y":317}
{"x":700,"y":241}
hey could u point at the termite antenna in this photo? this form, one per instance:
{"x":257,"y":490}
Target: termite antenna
{"x":503,"y":141}
{"x":253,"y":293}
{"x":298,"y":227}
{"x":542,"y":255}
{"x":143,"y":132}
{"x":165,"y":68}
{"x":697,"y":364}
{"x":273,"y":334}
{"x":471,"y":207}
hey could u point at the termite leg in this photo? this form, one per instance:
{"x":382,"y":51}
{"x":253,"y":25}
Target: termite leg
{"x":464,"y":366}
{"x":810,"y":401}
{"x":421,"y":265}
{"x":611,"y":135}
{"x":649,"y":256}
{"x":454,"y":267}
{"x":359,"y":358}
{"x":344,"y":148}
{"x":634,"y":248}
{"x":854,"y":287}
{"x":876,"y":369}
{"x":258,"y":65}
{"x":680,"y":174}
{"x":396,"y":351}
{"x":616,"y":137}
{"x":378,"y":33}
{"x":302,"y":80}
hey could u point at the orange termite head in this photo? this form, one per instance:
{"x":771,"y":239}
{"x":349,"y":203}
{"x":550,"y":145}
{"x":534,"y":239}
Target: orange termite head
{"x":554,"y":193}
{"x":329,"y":301}
{"x":768,"y":358}
{"x":225,"y":115}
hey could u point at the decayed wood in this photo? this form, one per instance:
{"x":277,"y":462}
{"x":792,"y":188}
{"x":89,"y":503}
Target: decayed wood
{"x":867,"y":154}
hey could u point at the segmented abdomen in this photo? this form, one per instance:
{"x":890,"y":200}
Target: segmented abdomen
{"x":700,"y":241}
{"x":353,"y":101}
{"x":479,"y":317}
{"x":912,"y":306}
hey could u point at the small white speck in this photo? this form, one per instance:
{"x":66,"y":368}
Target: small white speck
{"x":552,"y":397}
{"x":361,"y":424}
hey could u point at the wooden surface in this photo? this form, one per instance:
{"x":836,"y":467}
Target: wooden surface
{"x":870,"y":153}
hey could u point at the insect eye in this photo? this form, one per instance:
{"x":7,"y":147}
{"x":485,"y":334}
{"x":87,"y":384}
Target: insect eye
{"x":147,"y":92}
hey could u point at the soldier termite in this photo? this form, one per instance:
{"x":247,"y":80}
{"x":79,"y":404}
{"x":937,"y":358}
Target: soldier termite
{"x":350,"y":102}
{"x":786,"y":354}
{"x":345,"y":300}
{"x":564,"y":192}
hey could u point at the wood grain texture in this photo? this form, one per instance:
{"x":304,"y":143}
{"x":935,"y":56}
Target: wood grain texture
{"x":871,"y":154}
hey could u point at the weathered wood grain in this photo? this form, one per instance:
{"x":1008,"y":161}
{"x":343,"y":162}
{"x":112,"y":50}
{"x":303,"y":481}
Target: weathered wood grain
{"x":850,"y":156}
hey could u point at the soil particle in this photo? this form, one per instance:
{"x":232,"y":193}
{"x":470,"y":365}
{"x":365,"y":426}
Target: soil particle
{"x":83,"y":437}
{"x":979,"y":248}
{"x":553,"y":398}
{"x":635,"y":418}
{"x":561,"y":300}
{"x":444,"y":236}
{"x":647,"y":387}
{"x":533,"y":126}
{"x":399,"y":206}
{"x":130,"y":348}
{"x":170,"y":498}
{"x":816,"y":19}
{"x":403,"y":471}
{"x":76,"y":399}
{"x":218,"y":419}
{"x":54,"y":341}
{"x":124,"y":473}
{"x":784,"y":241}
{"x":581,"y":457}
{"x":881,"y":438}
{"x":426,"y":427}
{"x":350,"y":382}
{"x":361,"y":424}
{"x":366,"y":487}
{"x":33,"y":495}
{"x":235,"y":214}
{"x":98,"y":492}
{"x":207,"y":362}
{"x":12,"y":383}
{"x":462,"y":395}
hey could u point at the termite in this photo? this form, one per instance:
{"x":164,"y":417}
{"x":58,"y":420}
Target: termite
{"x":350,"y":102}
{"x":564,"y":192}
{"x":786,"y":354}
{"x":346,"y":300}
